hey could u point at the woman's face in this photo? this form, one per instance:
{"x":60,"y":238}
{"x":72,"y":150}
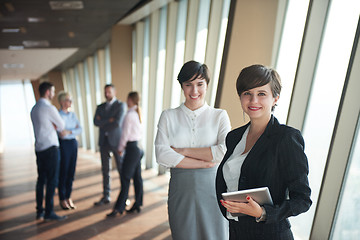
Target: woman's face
{"x":194,"y":92}
{"x":257,"y":102}
{"x":66,"y":103}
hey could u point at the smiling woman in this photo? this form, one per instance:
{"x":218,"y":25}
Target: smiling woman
{"x":263,"y":153}
{"x":190,"y":141}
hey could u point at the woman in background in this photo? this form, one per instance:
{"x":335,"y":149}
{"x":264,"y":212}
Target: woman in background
{"x":68,"y":150}
{"x":191,"y":141}
{"x":263,"y":153}
{"x":131,"y":168}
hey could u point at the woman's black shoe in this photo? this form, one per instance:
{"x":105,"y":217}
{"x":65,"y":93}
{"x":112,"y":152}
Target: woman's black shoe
{"x":114,"y":213}
{"x":133,"y":209}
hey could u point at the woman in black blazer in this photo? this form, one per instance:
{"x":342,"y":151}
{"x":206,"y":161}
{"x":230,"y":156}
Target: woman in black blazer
{"x":263,"y":153}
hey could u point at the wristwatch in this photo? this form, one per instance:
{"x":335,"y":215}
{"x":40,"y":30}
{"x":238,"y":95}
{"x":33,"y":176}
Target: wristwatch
{"x":262,"y":218}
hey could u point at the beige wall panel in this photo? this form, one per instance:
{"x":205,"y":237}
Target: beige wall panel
{"x":55,"y":78}
{"x":249,"y":41}
{"x":121,"y":59}
{"x":35,"y":85}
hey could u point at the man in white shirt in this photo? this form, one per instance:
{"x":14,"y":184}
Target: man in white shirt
{"x":46,"y":121}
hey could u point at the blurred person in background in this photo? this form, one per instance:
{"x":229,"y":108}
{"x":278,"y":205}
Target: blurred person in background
{"x":129,"y":146}
{"x":46,"y":121}
{"x":68,"y":150}
{"x":108,"y":117}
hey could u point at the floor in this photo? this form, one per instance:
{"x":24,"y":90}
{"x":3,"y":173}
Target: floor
{"x":17,"y":203}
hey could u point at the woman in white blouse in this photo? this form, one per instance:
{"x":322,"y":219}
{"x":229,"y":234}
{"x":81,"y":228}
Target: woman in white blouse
{"x":131,"y":168}
{"x":191,"y":141}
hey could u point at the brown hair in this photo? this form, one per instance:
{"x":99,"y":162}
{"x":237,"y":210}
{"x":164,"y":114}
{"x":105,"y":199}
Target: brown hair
{"x":256,"y":76}
{"x":192,"y":70}
{"x":135,"y":97}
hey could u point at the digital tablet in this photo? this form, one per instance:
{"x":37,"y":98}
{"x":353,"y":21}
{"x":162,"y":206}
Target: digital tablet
{"x":260,"y":195}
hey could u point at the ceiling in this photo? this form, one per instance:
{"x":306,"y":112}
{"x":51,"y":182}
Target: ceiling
{"x":36,"y":38}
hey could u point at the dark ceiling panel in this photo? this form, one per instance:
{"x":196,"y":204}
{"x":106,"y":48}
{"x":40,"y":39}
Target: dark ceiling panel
{"x":61,"y":28}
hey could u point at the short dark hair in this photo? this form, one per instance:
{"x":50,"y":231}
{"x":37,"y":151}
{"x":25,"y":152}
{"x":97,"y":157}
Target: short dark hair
{"x":192,"y":70}
{"x":256,"y":76}
{"x":43,"y":87}
{"x":109,"y":85}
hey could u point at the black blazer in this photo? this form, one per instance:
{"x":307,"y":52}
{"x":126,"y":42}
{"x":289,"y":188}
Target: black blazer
{"x":277,"y":160}
{"x":116,"y":111}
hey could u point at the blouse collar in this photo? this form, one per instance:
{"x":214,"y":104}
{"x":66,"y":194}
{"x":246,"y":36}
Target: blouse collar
{"x":133,"y":108}
{"x":196,"y":112}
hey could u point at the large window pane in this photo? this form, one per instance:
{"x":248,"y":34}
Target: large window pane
{"x":325,"y":96}
{"x":348,"y":221}
{"x":16,"y":101}
{"x":289,"y":49}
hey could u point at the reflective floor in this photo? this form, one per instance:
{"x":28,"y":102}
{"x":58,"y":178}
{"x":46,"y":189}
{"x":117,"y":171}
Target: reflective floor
{"x":17,"y":203}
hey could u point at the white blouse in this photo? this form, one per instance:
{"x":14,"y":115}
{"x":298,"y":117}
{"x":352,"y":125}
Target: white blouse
{"x":184,"y":128}
{"x":131,"y":128}
{"x":232,"y":167}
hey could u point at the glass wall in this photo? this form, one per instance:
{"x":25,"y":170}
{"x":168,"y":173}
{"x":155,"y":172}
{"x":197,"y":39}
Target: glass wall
{"x":16,"y":101}
{"x":348,"y":221}
{"x":288,"y":56}
{"x":326,"y":92}
{"x":325,"y":88}
{"x":164,"y":40}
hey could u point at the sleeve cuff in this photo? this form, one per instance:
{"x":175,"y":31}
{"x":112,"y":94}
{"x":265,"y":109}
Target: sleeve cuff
{"x":262,"y":218}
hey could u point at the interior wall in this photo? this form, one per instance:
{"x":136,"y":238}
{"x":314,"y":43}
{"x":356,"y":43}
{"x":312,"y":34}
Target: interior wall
{"x":249,"y":40}
{"x":55,"y":77}
{"x":121,"y":59}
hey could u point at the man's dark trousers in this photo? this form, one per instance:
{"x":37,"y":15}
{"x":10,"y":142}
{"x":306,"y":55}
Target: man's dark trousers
{"x":48,"y":164}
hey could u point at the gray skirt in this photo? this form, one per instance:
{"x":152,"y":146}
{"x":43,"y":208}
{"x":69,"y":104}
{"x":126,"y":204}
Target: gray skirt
{"x":192,"y":206}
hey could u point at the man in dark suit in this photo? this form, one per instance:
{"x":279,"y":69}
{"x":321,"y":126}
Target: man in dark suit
{"x":108,"y":117}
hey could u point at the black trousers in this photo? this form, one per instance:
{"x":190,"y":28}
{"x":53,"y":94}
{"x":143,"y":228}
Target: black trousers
{"x":48,"y":165}
{"x":68,"y":153}
{"x":131,"y":169}
{"x":106,"y":165}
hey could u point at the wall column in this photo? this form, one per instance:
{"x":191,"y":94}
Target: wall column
{"x":121,"y":59}
{"x":249,"y":40}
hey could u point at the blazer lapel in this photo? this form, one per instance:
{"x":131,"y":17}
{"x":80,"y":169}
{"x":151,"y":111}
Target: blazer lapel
{"x":261,"y":144}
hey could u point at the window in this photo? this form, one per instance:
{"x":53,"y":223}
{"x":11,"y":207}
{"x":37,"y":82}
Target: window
{"x":289,"y":50}
{"x":325,"y":96}
{"x":347,"y":220}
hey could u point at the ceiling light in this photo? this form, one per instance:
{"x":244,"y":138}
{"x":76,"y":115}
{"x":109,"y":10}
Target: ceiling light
{"x":41,"y":43}
{"x":35,"y":19}
{"x":13,"y":65}
{"x":66,"y":5}
{"x":21,"y":47}
{"x":11,"y":30}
